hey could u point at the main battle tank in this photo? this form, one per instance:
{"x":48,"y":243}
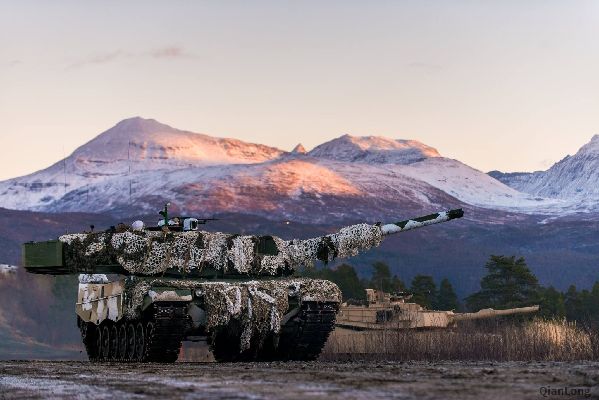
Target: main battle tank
{"x":386,"y":311}
{"x":144,"y":290}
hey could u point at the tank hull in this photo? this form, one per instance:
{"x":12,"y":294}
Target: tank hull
{"x":146,"y":319}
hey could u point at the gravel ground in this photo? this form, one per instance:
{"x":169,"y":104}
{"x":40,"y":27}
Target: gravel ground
{"x":315,"y":380}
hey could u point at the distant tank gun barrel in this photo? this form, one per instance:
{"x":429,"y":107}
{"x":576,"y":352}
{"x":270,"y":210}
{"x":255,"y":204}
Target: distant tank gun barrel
{"x":492,"y":313}
{"x":409,"y":224}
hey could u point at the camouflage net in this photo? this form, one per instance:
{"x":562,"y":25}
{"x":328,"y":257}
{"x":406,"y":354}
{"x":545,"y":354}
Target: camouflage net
{"x":258,"y":306}
{"x":154,"y":252}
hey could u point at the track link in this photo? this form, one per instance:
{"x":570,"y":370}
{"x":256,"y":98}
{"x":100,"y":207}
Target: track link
{"x":304,"y":336}
{"x":156,"y":337}
{"x":301,"y":338}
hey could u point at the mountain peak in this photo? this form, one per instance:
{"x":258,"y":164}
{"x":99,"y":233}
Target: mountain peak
{"x":152,"y":142}
{"x":374,"y":149}
{"x":299,"y":149}
{"x":141,"y":125}
{"x":592,"y":147}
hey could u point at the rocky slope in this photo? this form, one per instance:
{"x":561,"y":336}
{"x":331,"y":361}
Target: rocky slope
{"x":574,"y":179}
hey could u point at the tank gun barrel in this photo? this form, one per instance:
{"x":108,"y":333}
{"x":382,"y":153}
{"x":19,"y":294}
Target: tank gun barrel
{"x":349,"y":241}
{"x":409,"y":224}
{"x":491,"y":313}
{"x":154,"y":251}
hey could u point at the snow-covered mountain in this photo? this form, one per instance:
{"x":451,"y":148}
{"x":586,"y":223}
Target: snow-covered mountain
{"x":574,"y":179}
{"x":132,"y":146}
{"x":374,"y":149}
{"x":150,"y":143}
{"x":140,"y":163}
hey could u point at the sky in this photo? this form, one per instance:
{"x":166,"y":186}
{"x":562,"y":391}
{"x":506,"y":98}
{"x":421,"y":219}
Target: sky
{"x":508,"y":85}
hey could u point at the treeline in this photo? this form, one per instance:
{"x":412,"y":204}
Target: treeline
{"x":423,"y":287}
{"x":508,"y":283}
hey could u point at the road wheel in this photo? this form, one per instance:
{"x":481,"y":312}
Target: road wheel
{"x":99,"y":342}
{"x":122,"y":352}
{"x":150,"y":330}
{"x":114,"y":342}
{"x":140,"y":342}
{"x":105,"y":343}
{"x":131,"y":341}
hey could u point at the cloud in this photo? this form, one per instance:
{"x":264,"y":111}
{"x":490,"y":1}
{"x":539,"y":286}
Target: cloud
{"x":107,"y":57}
{"x":102,"y":58}
{"x":167,"y":53}
{"x":14,"y":63}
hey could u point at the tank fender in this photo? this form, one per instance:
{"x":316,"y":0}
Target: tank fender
{"x":97,"y":302}
{"x":165,"y":294}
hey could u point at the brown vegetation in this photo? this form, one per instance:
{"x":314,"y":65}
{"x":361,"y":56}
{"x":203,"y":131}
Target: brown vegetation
{"x":506,"y":341}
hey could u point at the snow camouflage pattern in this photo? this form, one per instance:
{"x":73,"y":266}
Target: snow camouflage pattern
{"x":154,"y":252}
{"x":143,"y":292}
{"x":259,"y":306}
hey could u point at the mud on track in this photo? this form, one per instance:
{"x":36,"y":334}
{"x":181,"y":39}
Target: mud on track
{"x":315,"y":380}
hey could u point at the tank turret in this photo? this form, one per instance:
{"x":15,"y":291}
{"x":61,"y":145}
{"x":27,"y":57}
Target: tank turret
{"x":177,"y":248}
{"x":143,"y":290}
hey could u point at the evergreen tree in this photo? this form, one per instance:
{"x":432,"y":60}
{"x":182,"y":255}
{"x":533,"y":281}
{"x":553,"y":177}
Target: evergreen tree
{"x":573,"y":304}
{"x":346,"y":278}
{"x":381,"y":277}
{"x":446,"y":298}
{"x":424,"y":290}
{"x":586,"y":306}
{"x":583,"y":306}
{"x":595,"y":305}
{"x":552,"y":303}
{"x":397,"y":285}
{"x":508,"y":283}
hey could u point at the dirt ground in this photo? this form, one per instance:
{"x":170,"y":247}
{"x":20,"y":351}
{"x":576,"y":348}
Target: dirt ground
{"x":314,"y":380}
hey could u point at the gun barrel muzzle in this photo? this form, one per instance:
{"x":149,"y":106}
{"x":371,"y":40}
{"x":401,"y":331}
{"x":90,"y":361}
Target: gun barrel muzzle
{"x":409,"y":224}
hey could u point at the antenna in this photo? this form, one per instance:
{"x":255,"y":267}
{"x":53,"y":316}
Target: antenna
{"x":129,"y":172}
{"x":164,"y":213}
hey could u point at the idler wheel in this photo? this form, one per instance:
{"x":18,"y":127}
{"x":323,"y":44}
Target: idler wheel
{"x":88,"y":335}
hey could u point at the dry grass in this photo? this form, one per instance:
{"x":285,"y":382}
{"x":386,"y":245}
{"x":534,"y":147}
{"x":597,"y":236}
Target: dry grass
{"x":506,"y":341}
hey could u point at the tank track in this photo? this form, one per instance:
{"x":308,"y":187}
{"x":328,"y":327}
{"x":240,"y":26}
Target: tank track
{"x":301,"y":338}
{"x":304,"y":336}
{"x":156,"y":337}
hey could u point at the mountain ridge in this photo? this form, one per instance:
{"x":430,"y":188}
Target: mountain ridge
{"x":574,"y":178}
{"x":142,"y":163}
{"x":374,"y":149}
